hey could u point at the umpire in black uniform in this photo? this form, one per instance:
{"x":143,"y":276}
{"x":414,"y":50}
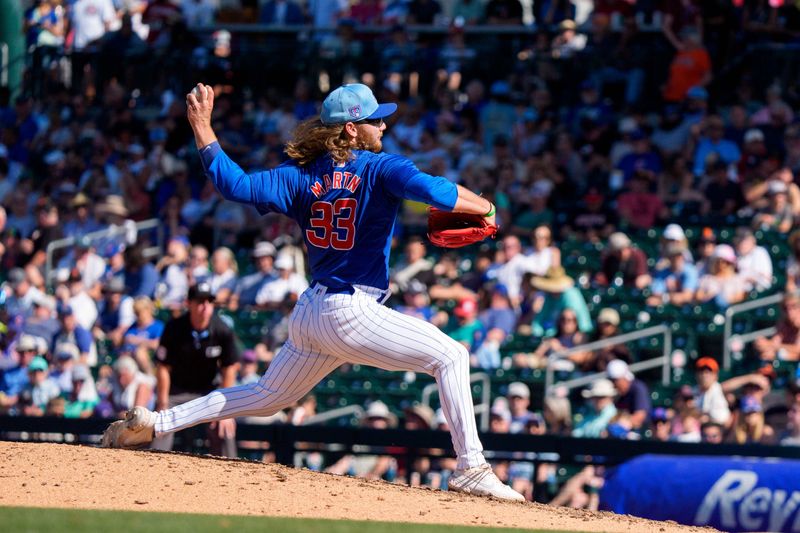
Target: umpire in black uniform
{"x":194,"y":348}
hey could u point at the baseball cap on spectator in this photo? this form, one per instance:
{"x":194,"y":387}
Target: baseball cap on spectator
{"x":519,"y":390}
{"x":767,"y":370}
{"x":352,"y":103}
{"x":753,"y":135}
{"x":83,"y":242}
{"x":602,"y":388}
{"x":65,"y":309}
{"x":608,"y":316}
{"x":16,"y":276}
{"x":777,"y":187}
{"x":501,"y":412}
{"x":686,"y":392}
{"x":115,"y":285}
{"x":500,"y":88}
{"x":618,"y":369}
{"x":183,"y":239}
{"x":249,"y":356}
{"x":284,"y":262}
{"x":38,"y":364}
{"x":724,"y":252}
{"x":697,"y":93}
{"x":707,"y":362}
{"x":567,"y":24}
{"x":750,"y":404}
{"x":264,"y":249}
{"x":113,"y":249}
{"x":136,"y":149}
{"x":628,"y":125}
{"x":423,"y":413}
{"x":27,"y":343}
{"x":126,"y":363}
{"x":81,"y":373}
{"x":201,"y":291}
{"x":54,"y":157}
{"x":43,"y":300}
{"x":415,"y":286}
{"x":618,"y":241}
{"x":466,"y":307}
{"x":535,"y":420}
{"x":673,"y":232}
{"x":742,"y":233}
{"x":67,"y":350}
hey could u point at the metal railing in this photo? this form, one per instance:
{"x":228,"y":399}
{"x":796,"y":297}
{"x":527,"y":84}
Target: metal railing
{"x":4,"y":64}
{"x":347,"y":410}
{"x":740,"y":308}
{"x":663,"y":360}
{"x":482,"y":409}
{"x":111,"y":231}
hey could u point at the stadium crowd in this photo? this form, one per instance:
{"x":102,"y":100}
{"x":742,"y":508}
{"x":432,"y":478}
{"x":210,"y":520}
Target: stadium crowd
{"x":671,"y":183}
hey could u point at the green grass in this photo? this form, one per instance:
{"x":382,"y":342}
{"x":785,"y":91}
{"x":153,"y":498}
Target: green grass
{"x":27,"y":519}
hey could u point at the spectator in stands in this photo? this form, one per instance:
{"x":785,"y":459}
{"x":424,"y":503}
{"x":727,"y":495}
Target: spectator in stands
{"x":721,"y":285}
{"x":601,"y":410}
{"x":40,"y":389}
{"x":749,"y":426}
{"x":662,"y":420}
{"x":712,"y":433}
{"x":248,"y":287}
{"x":66,"y":356}
{"x":198,"y":264}
{"x":567,"y":336}
{"x":633,"y":396}
{"x":288,"y":285}
{"x":723,"y":195}
{"x":519,"y":400}
{"x":82,"y":398}
{"x":638,"y":206}
{"x":623,"y":264}
{"x":41,"y":323}
{"x":504,"y":12}
{"x":173,"y":269}
{"x":470,"y":11}
{"x":784,"y":345}
{"x":115,"y":314}
{"x":413,"y":264}
{"x":706,"y":245}
{"x":142,"y":337}
{"x":793,"y":263}
{"x":467,"y":329}
{"x":608,"y":322}
{"x":377,"y":416}
{"x":753,"y":262}
{"x":19,"y":303}
{"x":199,"y":13}
{"x":499,"y":321}
{"x":224,"y":271}
{"x":708,"y":395}
{"x":82,"y":221}
{"x":538,"y":213}
{"x":673,"y":235}
{"x":130,"y":387}
{"x":690,"y":67}
{"x":712,"y":146}
{"x":83,"y":260}
{"x":14,"y":380}
{"x":777,"y":215}
{"x":544,"y":253}
{"x":791,"y":437}
{"x":676,"y":283}
{"x":446,"y":281}
{"x":248,"y":370}
{"x":556,"y":292}
{"x":281,"y":13}
{"x":141,"y":278}
{"x":73,"y":333}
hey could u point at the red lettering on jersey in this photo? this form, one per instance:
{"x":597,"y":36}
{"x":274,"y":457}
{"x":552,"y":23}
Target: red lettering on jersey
{"x":327,"y":180}
{"x":353,"y":184}
{"x":316,"y":189}
{"x":337,"y":180}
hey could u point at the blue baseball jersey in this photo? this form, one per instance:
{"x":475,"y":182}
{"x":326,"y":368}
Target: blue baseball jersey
{"x":347,"y":213}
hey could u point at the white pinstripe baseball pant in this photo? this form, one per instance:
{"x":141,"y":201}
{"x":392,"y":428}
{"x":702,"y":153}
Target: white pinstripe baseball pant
{"x":327,"y":330}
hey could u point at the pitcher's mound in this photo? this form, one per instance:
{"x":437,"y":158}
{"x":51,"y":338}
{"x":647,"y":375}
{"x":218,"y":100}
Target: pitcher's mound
{"x":56,"y":475}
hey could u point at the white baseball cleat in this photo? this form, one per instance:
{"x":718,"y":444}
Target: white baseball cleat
{"x":481,"y":481}
{"x":136,"y":430}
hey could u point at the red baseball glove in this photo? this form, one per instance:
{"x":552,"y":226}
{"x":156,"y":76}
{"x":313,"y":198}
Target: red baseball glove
{"x":454,"y":230}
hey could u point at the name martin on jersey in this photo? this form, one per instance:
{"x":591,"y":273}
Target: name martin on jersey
{"x":341,"y":180}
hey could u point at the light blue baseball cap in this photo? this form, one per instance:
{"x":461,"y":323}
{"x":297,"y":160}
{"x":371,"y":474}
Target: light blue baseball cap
{"x":353,"y":102}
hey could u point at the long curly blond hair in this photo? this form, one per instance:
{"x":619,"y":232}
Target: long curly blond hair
{"x":313,"y":139}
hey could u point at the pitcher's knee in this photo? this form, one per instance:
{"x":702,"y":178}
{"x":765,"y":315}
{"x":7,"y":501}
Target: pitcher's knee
{"x":456,"y":355}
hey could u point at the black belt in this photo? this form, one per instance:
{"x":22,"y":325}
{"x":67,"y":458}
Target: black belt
{"x":344,"y":288}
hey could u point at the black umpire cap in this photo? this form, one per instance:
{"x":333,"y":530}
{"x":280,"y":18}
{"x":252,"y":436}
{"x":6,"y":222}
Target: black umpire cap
{"x":201,"y":291}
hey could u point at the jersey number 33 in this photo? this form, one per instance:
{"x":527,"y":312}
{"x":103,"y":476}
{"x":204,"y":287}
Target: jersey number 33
{"x":332,"y":225}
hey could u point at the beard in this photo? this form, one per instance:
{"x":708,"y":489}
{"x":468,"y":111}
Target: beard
{"x":371,"y":145}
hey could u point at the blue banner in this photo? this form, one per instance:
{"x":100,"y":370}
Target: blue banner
{"x":731,"y":494}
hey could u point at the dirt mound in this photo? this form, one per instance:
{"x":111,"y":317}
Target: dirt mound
{"x":57,"y":475}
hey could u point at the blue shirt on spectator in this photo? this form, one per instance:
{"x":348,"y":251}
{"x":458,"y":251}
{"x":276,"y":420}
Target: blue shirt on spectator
{"x":14,"y":380}
{"x":725,"y":149}
{"x":143,"y":282}
{"x":150,"y":332}
{"x":686,"y":279}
